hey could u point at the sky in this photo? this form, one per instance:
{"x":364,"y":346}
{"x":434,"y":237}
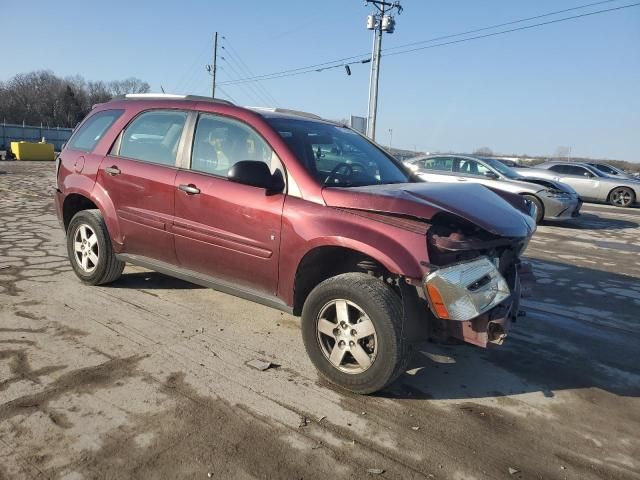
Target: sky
{"x":571,"y":84}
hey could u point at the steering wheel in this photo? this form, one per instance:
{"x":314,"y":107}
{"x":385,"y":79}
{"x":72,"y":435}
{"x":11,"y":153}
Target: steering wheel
{"x":350,"y":167}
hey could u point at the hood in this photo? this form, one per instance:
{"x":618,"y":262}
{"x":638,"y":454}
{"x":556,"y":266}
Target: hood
{"x":551,"y":184}
{"x":472,"y":202}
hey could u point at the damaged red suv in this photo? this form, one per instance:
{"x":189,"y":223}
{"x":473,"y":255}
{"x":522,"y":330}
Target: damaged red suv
{"x":298,"y":213}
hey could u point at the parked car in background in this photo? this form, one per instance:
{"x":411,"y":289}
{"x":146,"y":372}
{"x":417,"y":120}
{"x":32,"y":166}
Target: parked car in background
{"x":612,"y":171}
{"x":553,"y":200}
{"x":298,"y":213}
{"x":508,"y":163}
{"x":590,"y":183}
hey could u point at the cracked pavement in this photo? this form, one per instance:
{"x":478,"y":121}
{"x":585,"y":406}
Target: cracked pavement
{"x":147,"y":377}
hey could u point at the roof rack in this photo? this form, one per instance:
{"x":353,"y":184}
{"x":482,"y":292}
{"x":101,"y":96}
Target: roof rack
{"x":287,"y":110}
{"x":169,"y":96}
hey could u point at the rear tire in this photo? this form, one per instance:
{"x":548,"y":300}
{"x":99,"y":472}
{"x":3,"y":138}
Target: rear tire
{"x":536,"y":201}
{"x":622,"y":197}
{"x":90,"y":251}
{"x":352,"y":331}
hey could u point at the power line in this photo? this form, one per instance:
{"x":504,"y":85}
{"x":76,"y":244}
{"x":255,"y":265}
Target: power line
{"x":248,"y":71}
{"x":252,"y":89}
{"x":526,"y":27}
{"x":247,"y":88}
{"x":339,"y":62}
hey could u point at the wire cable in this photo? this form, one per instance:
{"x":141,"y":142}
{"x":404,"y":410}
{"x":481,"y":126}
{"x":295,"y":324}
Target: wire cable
{"x":339,"y":62}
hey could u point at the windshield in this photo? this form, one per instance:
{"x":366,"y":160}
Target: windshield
{"x":502,"y":168}
{"x":338,"y":156}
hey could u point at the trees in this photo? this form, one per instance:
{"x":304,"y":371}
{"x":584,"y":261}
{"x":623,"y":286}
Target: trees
{"x":485,"y":151}
{"x":42,"y":97}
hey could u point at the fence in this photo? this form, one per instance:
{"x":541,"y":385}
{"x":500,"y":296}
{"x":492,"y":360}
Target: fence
{"x":15,"y":133}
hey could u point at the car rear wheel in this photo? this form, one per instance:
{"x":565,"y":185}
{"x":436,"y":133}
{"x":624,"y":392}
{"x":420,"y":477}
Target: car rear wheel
{"x":622,"y":197}
{"x":89,"y":249}
{"x":352,"y":331}
{"x":539,"y":207}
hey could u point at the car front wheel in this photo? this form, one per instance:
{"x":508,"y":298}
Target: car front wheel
{"x":352,"y":331}
{"x":89,"y":249}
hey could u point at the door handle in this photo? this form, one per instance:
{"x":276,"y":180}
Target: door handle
{"x":190,"y":189}
{"x":113,"y":171}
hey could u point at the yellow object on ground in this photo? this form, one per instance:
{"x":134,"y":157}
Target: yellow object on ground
{"x":33,"y":151}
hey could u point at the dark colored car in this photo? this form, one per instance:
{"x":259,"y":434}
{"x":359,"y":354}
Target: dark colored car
{"x":298,"y":213}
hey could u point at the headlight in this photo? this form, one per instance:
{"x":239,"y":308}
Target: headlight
{"x":464,"y":291}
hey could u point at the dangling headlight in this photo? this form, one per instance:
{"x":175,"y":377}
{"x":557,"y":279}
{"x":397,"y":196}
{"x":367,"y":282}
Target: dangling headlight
{"x":466,"y":290}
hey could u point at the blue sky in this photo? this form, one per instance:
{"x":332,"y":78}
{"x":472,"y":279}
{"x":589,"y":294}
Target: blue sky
{"x":575,"y":83}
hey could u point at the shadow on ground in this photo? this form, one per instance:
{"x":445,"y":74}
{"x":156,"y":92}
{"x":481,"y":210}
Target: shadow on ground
{"x":590,"y":221}
{"x":152,"y":281}
{"x":545,"y":351}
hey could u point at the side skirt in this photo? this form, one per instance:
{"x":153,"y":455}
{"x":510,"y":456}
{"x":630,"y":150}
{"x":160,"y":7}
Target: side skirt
{"x":206,"y":281}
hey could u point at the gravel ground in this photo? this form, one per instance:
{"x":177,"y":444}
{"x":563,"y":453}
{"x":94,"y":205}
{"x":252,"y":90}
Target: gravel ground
{"x":148,"y":377}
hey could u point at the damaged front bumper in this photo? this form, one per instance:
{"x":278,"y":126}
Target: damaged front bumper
{"x":496,"y":303}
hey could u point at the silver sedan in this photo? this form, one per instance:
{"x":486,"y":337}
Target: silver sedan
{"x":553,"y":200}
{"x":589,"y":182}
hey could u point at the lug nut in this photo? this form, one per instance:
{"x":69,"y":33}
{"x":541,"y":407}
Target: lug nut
{"x":352,"y":343}
{"x":353,"y":332}
{"x":341,"y":343}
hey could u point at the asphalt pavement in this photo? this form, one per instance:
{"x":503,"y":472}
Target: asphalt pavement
{"x":150,"y":377}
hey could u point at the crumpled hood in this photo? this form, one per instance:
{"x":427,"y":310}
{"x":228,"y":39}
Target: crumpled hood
{"x":473,"y":202}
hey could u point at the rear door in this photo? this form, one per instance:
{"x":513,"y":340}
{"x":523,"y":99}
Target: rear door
{"x":139,"y":175}
{"x":224,"y":229}
{"x":436,"y":169}
{"x":582,"y":180}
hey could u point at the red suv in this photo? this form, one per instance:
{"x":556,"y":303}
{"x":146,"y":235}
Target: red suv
{"x":298,"y":213}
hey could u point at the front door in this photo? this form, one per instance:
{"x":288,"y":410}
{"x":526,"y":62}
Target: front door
{"x":224,"y":229}
{"x":139,"y":176}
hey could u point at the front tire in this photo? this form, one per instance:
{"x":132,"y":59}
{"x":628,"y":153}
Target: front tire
{"x":352,"y":331}
{"x":622,"y":197}
{"x":90,"y":251}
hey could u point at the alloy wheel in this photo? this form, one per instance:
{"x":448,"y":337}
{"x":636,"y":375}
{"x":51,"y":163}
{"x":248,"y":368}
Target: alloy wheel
{"x":85,"y":248}
{"x":347,"y":336}
{"x":621,"y":197}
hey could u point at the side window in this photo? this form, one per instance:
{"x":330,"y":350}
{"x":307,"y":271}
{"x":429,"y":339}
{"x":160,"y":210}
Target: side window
{"x":441,"y":164}
{"x":219,"y":143}
{"x":89,"y":134}
{"x":154,"y":137}
{"x":575,"y":170}
{"x":471,"y":167}
{"x":558,"y":168}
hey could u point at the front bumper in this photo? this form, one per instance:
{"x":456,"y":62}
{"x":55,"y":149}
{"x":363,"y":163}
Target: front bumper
{"x":491,"y":327}
{"x":561,"y":208}
{"x":58,"y":201}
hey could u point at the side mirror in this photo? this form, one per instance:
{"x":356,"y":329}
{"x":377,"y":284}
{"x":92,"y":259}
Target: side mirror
{"x":491,"y":175}
{"x":256,"y":174}
{"x":588,"y":175}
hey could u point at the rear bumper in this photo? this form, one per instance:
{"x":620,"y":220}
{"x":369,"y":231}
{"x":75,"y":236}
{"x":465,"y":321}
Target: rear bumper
{"x":493,"y":326}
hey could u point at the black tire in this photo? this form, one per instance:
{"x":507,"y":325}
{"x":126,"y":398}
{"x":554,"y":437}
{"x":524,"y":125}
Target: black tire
{"x":107,"y":268}
{"x":383,"y":307}
{"x":622,"y":197}
{"x":536,"y":201}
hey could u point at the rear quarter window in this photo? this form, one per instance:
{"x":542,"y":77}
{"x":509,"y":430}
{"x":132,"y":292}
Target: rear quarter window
{"x":93,"y":129}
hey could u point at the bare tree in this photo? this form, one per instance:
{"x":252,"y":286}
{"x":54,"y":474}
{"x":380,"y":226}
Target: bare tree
{"x":486,"y":151}
{"x":41,"y":97}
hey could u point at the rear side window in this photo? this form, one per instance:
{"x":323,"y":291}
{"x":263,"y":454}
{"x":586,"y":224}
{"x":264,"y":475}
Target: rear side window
{"x":91,"y":131}
{"x":154,"y":137}
{"x":441,"y":164}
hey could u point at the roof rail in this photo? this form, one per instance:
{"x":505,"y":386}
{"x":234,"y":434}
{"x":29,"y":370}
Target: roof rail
{"x":287,"y":110}
{"x":169,"y":96}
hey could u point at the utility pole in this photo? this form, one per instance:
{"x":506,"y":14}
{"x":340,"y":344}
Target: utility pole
{"x":390,"y":137}
{"x":379,"y":22}
{"x":212,"y":68}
